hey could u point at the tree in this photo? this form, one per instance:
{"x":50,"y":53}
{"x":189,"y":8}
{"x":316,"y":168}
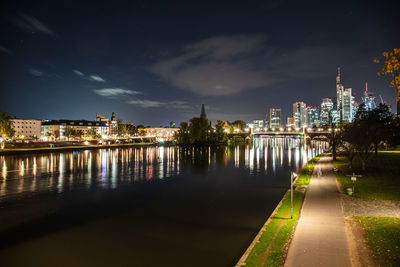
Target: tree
{"x":141,"y":130}
{"x":391,"y":66}
{"x":347,"y":134}
{"x":93,"y":133}
{"x":70,"y":132}
{"x":200,"y":130}
{"x":239,"y":124}
{"x":182,"y":135}
{"x":121,"y":128}
{"x":332,"y":136}
{"x":219,"y":132}
{"x":6,"y":130}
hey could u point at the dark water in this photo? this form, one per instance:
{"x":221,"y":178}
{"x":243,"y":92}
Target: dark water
{"x":151,"y":206}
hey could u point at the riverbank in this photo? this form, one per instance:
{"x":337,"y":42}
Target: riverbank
{"x":67,"y":148}
{"x":374,"y":208}
{"x":269,"y":248}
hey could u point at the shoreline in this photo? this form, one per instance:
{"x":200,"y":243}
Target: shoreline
{"x":69,"y":148}
{"x":256,"y":240}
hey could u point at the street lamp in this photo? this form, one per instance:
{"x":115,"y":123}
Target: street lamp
{"x":293,"y":176}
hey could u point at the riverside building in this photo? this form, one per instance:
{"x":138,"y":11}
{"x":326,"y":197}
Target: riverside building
{"x":26,"y":129}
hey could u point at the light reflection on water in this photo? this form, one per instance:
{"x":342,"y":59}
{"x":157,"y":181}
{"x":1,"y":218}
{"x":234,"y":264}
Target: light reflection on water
{"x":110,"y":168}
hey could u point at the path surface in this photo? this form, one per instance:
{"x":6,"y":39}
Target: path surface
{"x":320,"y":236}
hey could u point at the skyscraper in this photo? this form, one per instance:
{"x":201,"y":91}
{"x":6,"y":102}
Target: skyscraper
{"x":275,"y":117}
{"x":340,"y":94}
{"x":300,"y":114}
{"x":368,"y":98}
{"x":313,"y":116}
{"x":326,"y":107}
{"x":291,"y":122}
{"x":347,"y":106}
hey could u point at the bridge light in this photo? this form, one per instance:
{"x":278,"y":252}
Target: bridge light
{"x":247,"y":130}
{"x":281,"y":129}
{"x":273,"y":129}
{"x":236,"y":130}
{"x":320,"y":129}
{"x":226,"y":130}
{"x":297,"y":129}
{"x":289,"y":129}
{"x":309,"y":130}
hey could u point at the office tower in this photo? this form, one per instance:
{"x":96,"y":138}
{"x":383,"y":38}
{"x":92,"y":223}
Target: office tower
{"x":291,"y":122}
{"x":258,"y":124}
{"x":326,"y":107}
{"x":347,"y":107}
{"x":335,"y":116}
{"x":313,"y":116}
{"x":275,"y":117}
{"x":300,"y":114}
{"x":368,"y":99}
{"x":340,"y":95}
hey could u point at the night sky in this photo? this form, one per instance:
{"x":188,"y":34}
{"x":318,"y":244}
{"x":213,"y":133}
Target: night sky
{"x":152,"y":62}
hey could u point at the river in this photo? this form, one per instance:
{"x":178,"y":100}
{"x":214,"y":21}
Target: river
{"x":143,"y":206}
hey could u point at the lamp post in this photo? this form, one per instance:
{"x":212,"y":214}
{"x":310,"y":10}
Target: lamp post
{"x":293,"y":175}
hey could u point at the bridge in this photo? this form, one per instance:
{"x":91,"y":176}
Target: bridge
{"x":307,"y":132}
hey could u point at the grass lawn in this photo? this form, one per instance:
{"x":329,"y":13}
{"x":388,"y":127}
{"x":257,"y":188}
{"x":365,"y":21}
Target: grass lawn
{"x":381,"y":180}
{"x":306,"y":171}
{"x":272,"y":246}
{"x":383,"y":238}
{"x":270,"y":251}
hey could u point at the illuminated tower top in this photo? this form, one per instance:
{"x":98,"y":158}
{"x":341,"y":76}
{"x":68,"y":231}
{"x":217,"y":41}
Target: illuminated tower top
{"x":338,"y":76}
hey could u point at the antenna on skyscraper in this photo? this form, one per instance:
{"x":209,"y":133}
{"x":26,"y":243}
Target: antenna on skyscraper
{"x":366,"y":86}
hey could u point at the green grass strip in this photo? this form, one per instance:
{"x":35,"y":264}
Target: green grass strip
{"x":306,"y":171}
{"x":381,"y":179}
{"x":383,"y":238}
{"x":271,"y":248}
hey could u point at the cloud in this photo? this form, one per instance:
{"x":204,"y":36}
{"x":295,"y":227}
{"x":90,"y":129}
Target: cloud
{"x":5,"y":50}
{"x":182,"y":105}
{"x":35,"y":72}
{"x":77,"y":72}
{"x":96,"y":78}
{"x":115,"y":92}
{"x":216,"y":66}
{"x":93,"y":77}
{"x":31,"y":24}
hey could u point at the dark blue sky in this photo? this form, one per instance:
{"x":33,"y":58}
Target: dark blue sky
{"x":153,"y":62}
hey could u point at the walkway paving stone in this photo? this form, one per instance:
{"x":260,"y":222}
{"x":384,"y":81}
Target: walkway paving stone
{"x":320,"y":236}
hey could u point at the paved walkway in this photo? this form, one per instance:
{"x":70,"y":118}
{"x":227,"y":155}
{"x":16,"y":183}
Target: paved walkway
{"x":320,"y":237}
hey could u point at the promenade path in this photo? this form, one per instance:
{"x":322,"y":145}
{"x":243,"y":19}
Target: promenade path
{"x":320,"y":236}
